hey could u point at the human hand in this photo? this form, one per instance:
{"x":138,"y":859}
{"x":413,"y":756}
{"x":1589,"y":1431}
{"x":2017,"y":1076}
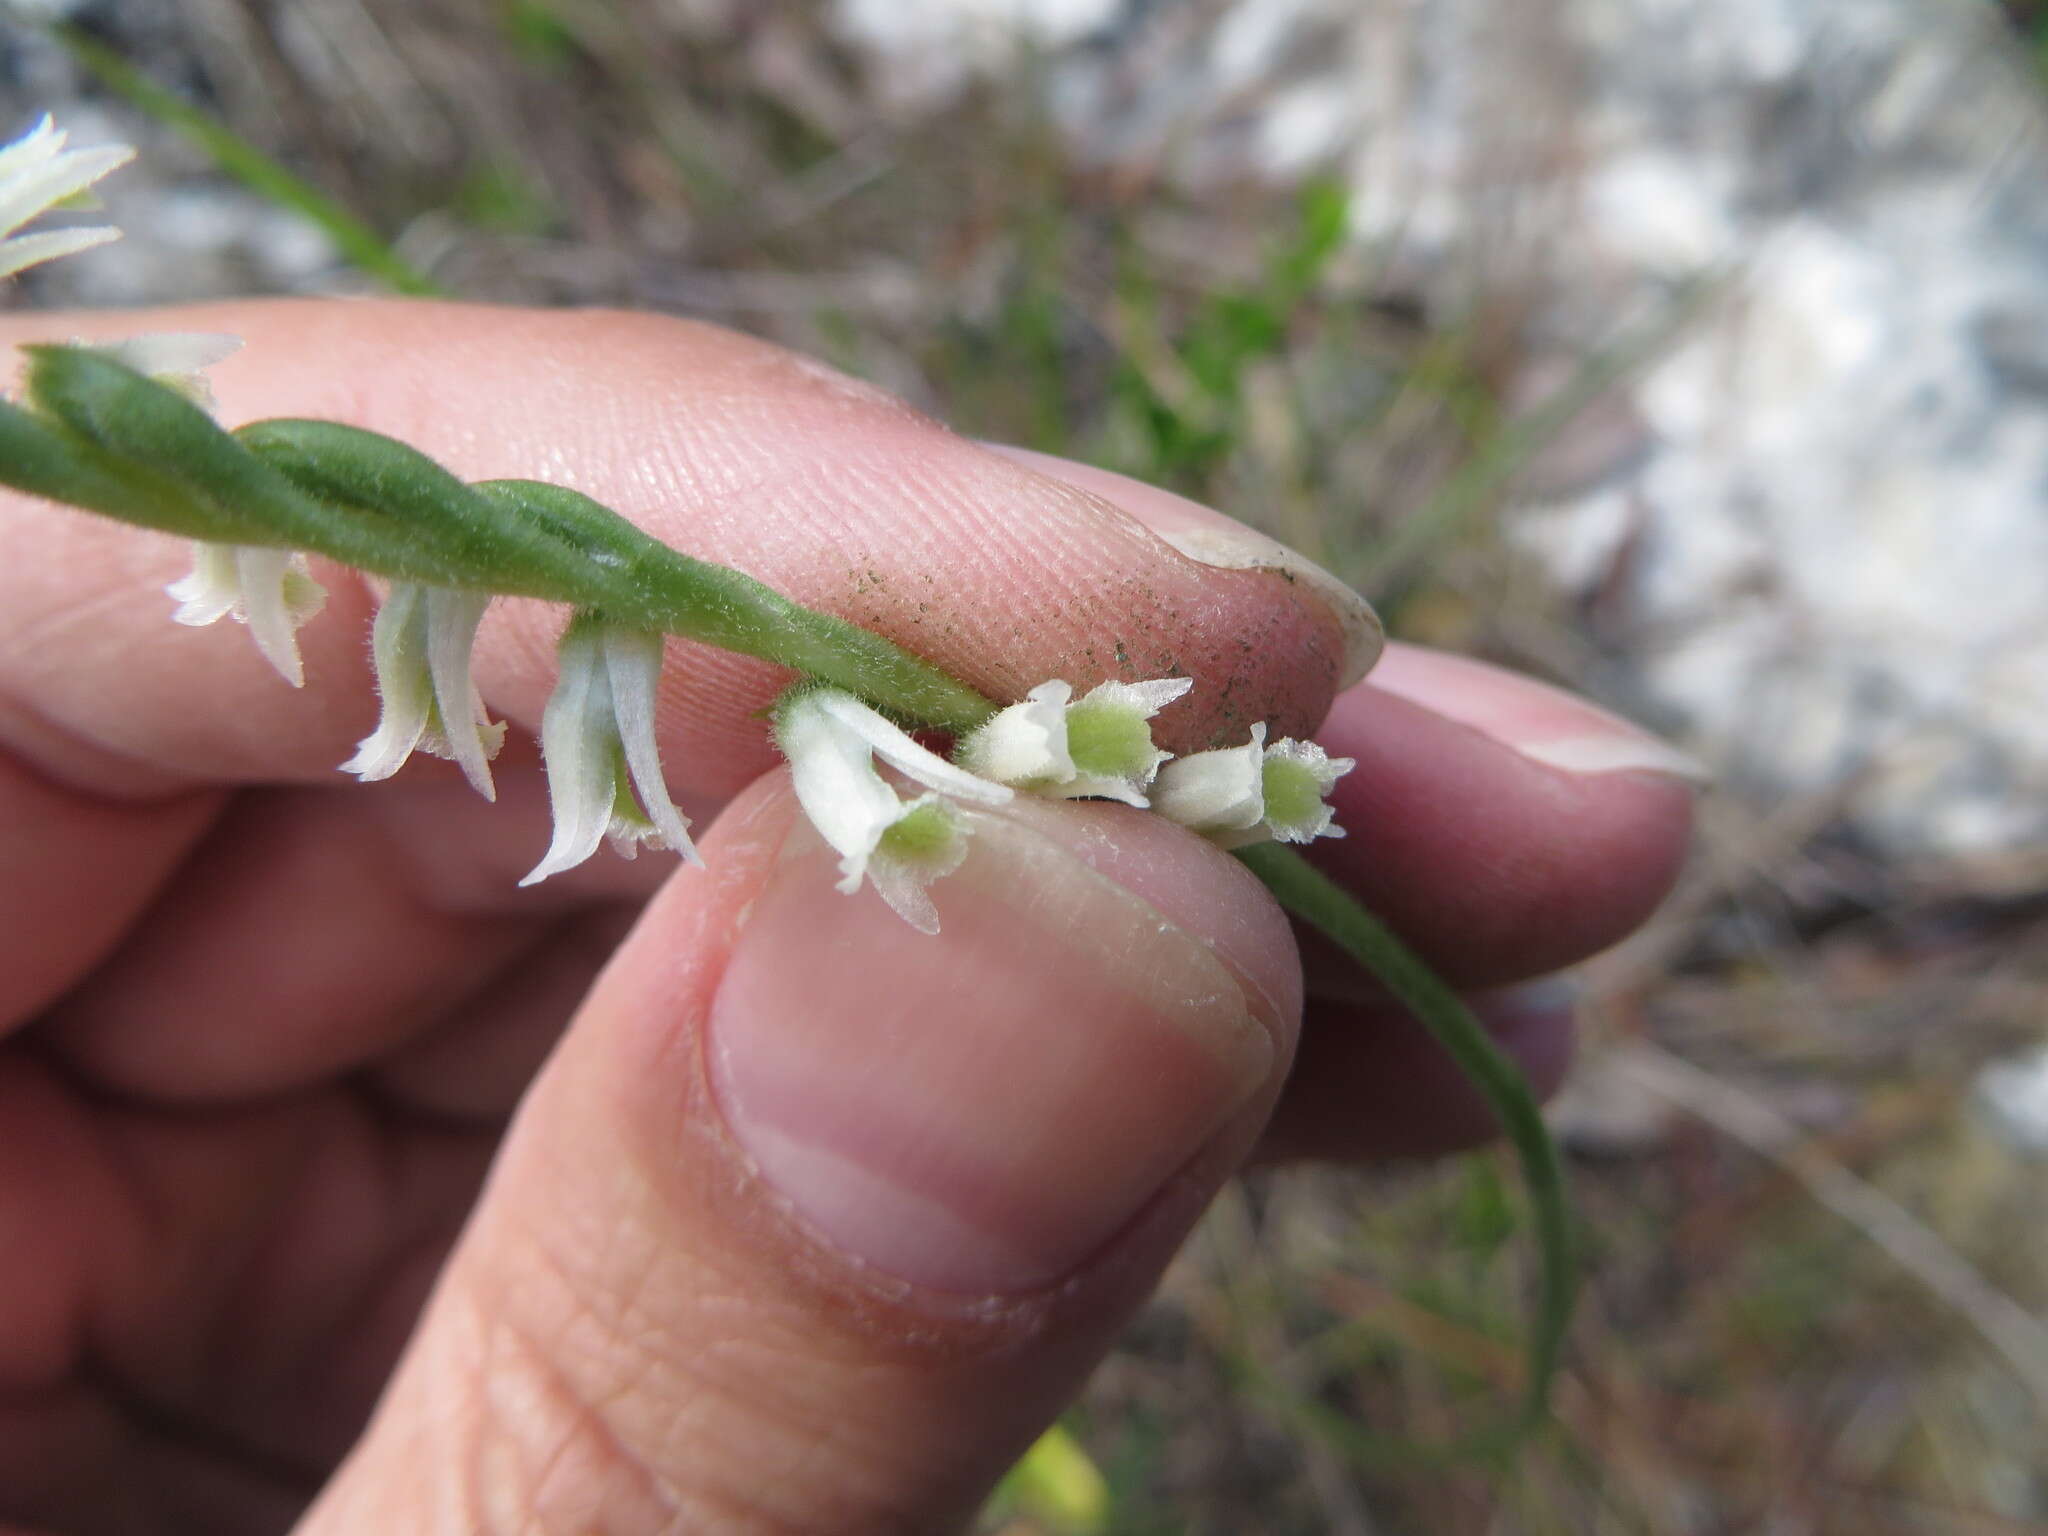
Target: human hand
{"x":805,"y":1222}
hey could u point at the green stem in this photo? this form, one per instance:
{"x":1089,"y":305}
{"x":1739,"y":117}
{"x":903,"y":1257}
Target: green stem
{"x":1318,"y":901}
{"x":665,"y":589}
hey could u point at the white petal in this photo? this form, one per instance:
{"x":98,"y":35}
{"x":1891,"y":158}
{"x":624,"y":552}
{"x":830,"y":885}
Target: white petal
{"x":451,"y":620}
{"x":1093,"y":786}
{"x":1220,"y":791}
{"x":212,"y":591}
{"x":833,"y":772}
{"x":902,"y":881}
{"x":894,"y":746}
{"x":579,"y":740}
{"x":40,"y":185}
{"x":398,"y":644}
{"x":633,"y":662}
{"x":277,"y":597}
{"x":41,"y":143}
{"x":1146,"y":698}
{"x":1025,"y":743}
{"x":25,"y":251}
{"x":906,"y":895}
{"x":176,"y":358}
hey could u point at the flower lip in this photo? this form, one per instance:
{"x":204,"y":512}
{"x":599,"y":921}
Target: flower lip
{"x":1296,"y":778}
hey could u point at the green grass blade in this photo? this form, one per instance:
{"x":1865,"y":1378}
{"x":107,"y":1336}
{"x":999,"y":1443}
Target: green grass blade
{"x":360,"y":244}
{"x":1509,"y":447}
{"x":1319,"y":902}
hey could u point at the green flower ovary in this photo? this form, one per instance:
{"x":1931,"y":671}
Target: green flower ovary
{"x":1111,"y":741}
{"x":926,"y":835}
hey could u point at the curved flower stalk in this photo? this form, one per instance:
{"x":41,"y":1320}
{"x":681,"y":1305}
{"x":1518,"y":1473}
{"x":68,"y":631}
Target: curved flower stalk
{"x":421,"y":644}
{"x":1098,"y":746}
{"x":832,"y":741}
{"x":37,"y":173}
{"x":1238,"y":796}
{"x":597,"y":737}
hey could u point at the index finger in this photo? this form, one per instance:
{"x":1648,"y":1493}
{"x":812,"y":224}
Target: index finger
{"x":733,"y":450}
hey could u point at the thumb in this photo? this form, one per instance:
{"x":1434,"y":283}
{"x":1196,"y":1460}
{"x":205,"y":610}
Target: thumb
{"x":814,"y":1222}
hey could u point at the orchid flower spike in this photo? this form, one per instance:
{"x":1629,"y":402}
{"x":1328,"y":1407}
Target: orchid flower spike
{"x":832,"y":741}
{"x":421,"y":644}
{"x":37,"y":173}
{"x":597,"y":736}
{"x":1255,"y":793}
{"x":1097,"y":745}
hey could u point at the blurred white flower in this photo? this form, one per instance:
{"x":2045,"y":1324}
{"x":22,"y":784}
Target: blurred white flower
{"x":597,"y":736}
{"x":421,"y":645}
{"x":177,"y":359}
{"x":37,"y":173}
{"x":1098,"y":745}
{"x":832,"y":741}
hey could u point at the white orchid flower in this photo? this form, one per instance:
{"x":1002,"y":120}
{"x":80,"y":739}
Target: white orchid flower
{"x":37,"y":173}
{"x":1098,"y":745}
{"x":832,"y":741}
{"x":1218,"y":794}
{"x":1236,"y":796}
{"x":421,"y":644}
{"x":597,"y":736}
{"x":270,"y":590}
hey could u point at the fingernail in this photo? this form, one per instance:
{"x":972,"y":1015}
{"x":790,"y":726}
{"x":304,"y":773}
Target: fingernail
{"x":979,"y":1111}
{"x":1241,"y":549}
{"x":1543,"y":724}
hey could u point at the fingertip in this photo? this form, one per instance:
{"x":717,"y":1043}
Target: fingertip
{"x":1494,"y":864}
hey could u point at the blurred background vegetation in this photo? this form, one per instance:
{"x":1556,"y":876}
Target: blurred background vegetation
{"x":1784,"y":1329}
